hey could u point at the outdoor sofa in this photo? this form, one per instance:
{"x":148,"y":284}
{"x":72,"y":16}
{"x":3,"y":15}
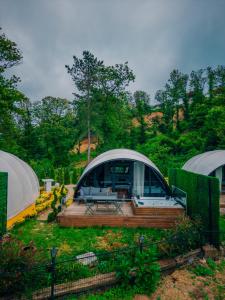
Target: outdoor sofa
{"x":96,"y":194}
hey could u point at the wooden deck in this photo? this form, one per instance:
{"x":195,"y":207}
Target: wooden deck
{"x":74,"y":216}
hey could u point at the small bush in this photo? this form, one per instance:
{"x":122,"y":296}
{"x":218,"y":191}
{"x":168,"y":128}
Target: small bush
{"x":139,"y":269}
{"x":200,"y":270}
{"x":185,"y":236}
{"x":211,"y":263}
{"x":51,"y":217}
{"x":20,"y":267}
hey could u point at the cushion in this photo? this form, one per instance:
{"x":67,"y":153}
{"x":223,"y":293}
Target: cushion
{"x":105,"y":190}
{"x":94,"y":190}
{"x":84,"y":191}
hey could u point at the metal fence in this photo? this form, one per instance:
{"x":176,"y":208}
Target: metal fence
{"x":82,"y":273}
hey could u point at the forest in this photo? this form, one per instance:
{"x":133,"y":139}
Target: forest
{"x":184,"y":118}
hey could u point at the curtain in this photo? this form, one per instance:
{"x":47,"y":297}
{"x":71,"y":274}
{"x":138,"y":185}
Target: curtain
{"x":139,"y":177}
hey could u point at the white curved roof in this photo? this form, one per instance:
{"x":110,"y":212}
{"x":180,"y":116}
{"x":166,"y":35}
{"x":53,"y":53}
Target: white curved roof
{"x":206,"y":162}
{"x":119,"y":154}
{"x":23,"y":185}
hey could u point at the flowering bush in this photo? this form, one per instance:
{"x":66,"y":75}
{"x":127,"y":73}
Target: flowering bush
{"x":29,"y":212}
{"x":68,"y":202}
{"x":45,"y":199}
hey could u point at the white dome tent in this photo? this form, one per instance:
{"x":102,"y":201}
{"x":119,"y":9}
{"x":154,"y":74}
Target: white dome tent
{"x":124,"y":171}
{"x":208,"y":163}
{"x":23,"y":185}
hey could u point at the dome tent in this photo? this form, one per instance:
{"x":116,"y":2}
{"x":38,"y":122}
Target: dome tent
{"x":124,"y":171}
{"x":210,"y":163}
{"x":23,"y":185}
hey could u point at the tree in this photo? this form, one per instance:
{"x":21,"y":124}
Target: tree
{"x":113,"y":80}
{"x":10,"y":97}
{"x":100,"y":87}
{"x":211,"y":82}
{"x":176,"y":91}
{"x":10,"y":55}
{"x":165,"y":124}
{"x":54,"y":130}
{"x":141,"y":110}
{"x":197,"y":85}
{"x":85,"y":73}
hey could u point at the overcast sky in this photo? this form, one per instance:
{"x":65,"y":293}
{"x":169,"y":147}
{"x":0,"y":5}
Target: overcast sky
{"x":153,"y":36}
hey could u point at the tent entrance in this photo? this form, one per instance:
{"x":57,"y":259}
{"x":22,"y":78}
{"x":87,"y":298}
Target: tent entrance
{"x":119,"y":174}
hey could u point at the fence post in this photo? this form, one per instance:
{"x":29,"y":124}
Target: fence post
{"x":53,"y":252}
{"x":141,"y":243}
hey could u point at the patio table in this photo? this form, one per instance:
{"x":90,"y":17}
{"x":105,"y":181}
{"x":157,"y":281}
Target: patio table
{"x":103,"y":204}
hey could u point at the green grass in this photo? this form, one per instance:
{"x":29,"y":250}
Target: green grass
{"x":115,"y":293}
{"x":72,"y":241}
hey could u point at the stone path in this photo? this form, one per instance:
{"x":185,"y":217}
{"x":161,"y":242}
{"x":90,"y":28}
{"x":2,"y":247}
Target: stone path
{"x":70,"y":193}
{"x":43,"y":216}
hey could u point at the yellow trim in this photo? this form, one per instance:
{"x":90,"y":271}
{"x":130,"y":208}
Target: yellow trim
{"x":29,"y":211}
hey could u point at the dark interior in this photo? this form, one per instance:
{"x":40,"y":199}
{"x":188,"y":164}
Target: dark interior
{"x":119,"y":176}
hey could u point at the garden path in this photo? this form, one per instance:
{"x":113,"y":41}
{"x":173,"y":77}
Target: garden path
{"x":43,"y":216}
{"x":70,"y":193}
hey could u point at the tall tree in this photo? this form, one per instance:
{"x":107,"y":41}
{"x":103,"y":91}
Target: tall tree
{"x":99,"y":88}
{"x":54,"y":130}
{"x":10,"y":55}
{"x":10,"y":97}
{"x":85,"y":74}
{"x":197,"y":84}
{"x":176,"y":91}
{"x":211,"y":78}
{"x":141,"y":110}
{"x":165,"y":124}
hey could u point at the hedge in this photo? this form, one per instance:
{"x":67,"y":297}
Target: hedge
{"x":3,"y":202}
{"x":203,"y":197}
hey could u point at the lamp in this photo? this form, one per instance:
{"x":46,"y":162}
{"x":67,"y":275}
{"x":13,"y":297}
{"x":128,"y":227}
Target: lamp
{"x":53,"y":252}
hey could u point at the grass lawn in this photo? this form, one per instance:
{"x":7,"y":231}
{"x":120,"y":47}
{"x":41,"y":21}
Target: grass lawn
{"x":73,"y":241}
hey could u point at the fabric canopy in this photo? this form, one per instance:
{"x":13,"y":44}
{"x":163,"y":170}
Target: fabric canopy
{"x":205,"y":163}
{"x":23,"y":185}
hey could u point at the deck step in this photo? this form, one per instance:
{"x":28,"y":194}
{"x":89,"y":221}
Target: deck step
{"x":115,"y":221}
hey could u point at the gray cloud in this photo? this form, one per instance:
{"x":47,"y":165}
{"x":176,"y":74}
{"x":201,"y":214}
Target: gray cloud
{"x":153,"y":36}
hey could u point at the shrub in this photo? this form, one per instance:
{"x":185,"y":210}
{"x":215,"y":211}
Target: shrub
{"x":185,"y":236}
{"x":139,"y":269}
{"x":201,"y":270}
{"x":44,"y":201}
{"x":51,"y":217}
{"x":211,"y":263}
{"x":19,"y":267}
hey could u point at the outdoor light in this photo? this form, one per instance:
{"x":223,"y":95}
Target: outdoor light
{"x":141,"y":239}
{"x":141,"y":243}
{"x":53,"y":252}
